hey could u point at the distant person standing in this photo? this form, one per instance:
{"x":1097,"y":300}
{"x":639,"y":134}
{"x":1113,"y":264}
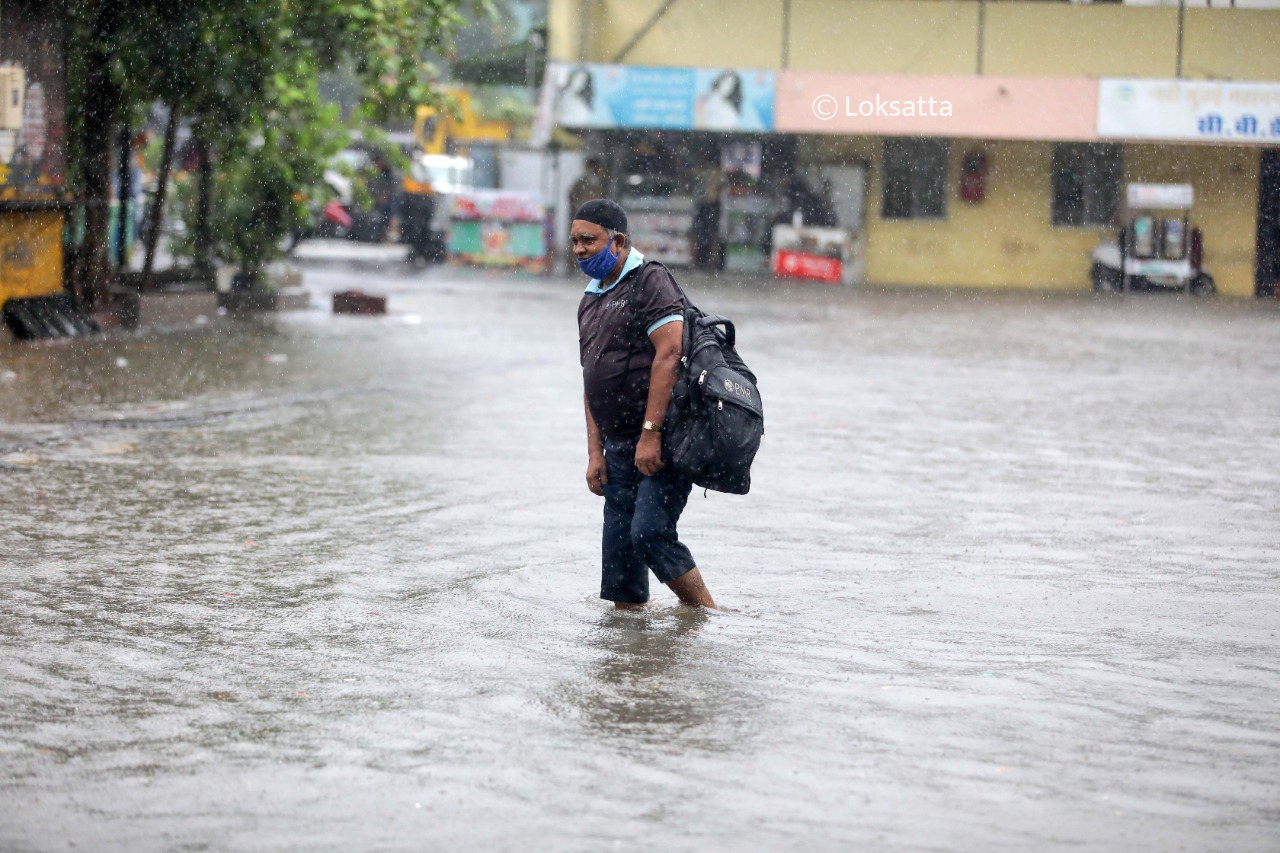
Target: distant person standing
{"x":382,"y":183}
{"x":630,"y":347}
{"x":706,"y":219}
{"x":594,"y":183}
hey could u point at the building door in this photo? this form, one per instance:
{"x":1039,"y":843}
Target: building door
{"x":1268,"y":266}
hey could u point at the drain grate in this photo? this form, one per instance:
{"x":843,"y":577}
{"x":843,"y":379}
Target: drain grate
{"x":46,"y":317}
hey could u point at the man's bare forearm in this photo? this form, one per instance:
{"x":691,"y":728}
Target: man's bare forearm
{"x":662,"y":378}
{"x":595,"y":443}
{"x":667,"y":340}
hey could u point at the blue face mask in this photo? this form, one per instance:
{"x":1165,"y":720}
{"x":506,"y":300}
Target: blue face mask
{"x":601,"y":263}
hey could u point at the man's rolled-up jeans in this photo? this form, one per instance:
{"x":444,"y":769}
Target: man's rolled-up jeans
{"x":640,"y":517}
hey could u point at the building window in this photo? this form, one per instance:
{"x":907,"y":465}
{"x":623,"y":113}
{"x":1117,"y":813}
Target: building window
{"x":1086,"y":183}
{"x":915,"y":178}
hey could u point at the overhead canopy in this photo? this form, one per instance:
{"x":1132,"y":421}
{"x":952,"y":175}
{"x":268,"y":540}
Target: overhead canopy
{"x":506,"y":66}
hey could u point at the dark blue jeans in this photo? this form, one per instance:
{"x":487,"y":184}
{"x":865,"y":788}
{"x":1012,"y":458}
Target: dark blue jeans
{"x":640,"y":516}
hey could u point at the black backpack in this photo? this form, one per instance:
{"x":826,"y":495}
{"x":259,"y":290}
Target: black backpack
{"x":715,"y":419}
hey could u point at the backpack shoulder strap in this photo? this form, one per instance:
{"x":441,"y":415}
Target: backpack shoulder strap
{"x":691,"y":312}
{"x":634,"y":288}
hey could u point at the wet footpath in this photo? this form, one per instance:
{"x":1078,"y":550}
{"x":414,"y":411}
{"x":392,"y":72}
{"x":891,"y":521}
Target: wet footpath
{"x":1008,"y":579}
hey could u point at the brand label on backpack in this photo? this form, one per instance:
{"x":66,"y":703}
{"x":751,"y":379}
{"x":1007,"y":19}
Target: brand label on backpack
{"x":736,"y":388}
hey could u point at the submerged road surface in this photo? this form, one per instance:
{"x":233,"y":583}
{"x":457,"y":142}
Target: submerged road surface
{"x":1008,"y":579}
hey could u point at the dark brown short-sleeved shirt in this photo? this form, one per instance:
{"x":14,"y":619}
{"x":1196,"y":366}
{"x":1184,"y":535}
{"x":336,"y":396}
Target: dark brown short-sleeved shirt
{"x":614,"y":345}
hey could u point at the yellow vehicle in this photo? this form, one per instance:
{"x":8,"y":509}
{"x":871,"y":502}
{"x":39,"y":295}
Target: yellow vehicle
{"x":33,"y":211}
{"x":30,"y":260}
{"x":455,"y":127}
{"x":441,"y":166}
{"x":30,"y":232}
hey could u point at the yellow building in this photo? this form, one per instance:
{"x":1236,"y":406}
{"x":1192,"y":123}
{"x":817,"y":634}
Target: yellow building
{"x":1055,"y":108}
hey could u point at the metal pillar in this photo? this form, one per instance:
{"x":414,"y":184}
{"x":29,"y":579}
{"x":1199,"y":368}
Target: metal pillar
{"x":643,"y":31}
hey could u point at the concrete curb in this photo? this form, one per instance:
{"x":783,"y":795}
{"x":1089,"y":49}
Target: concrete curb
{"x":358,"y":255}
{"x":239,"y":302}
{"x":148,"y":310}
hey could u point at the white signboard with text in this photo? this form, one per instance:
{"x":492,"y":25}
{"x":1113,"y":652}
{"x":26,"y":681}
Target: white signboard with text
{"x":1189,"y":111}
{"x":1170,"y":196}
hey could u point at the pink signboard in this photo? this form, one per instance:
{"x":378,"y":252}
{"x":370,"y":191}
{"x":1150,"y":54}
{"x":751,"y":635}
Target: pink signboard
{"x":1062,"y":109}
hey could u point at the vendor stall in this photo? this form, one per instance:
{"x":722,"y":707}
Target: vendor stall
{"x":745,"y":223}
{"x":816,"y":254}
{"x":662,"y":227}
{"x":747,"y":211}
{"x":826,"y":239}
{"x":497,"y":228}
{"x":1157,"y":248}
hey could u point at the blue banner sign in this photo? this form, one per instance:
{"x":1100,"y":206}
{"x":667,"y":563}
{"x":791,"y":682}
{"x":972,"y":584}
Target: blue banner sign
{"x":626,"y":96}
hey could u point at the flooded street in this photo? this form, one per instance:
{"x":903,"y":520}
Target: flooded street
{"x":1008,"y":579}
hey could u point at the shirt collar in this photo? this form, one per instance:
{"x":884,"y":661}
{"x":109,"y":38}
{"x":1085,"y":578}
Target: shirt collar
{"x":634,"y":259}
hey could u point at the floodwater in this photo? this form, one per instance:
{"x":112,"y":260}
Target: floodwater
{"x":1008,"y":579}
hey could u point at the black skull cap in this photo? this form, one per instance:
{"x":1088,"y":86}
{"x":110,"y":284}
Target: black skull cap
{"x":605,"y":213}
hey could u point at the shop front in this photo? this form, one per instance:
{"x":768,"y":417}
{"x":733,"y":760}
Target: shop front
{"x":911,"y":180}
{"x":1016,"y":181}
{"x":703,"y":200}
{"x":694,"y":157}
{"x":957,"y":171}
{"x":1224,"y":138}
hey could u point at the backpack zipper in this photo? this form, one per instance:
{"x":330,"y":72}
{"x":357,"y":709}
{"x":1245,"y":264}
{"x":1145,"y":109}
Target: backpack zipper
{"x":702,"y":376}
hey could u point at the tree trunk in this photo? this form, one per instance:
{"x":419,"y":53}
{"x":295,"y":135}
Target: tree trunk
{"x":100,"y":108}
{"x":162,"y":187}
{"x":96,"y":270}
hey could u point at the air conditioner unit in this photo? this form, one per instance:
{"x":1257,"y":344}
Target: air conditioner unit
{"x":13,"y":83}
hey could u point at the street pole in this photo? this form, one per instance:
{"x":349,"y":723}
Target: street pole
{"x":531,"y":65}
{"x":162,"y":185}
{"x":786,"y":34}
{"x":123,"y":197}
{"x":982,"y":32}
{"x":1182,"y":15}
{"x":553,"y":237}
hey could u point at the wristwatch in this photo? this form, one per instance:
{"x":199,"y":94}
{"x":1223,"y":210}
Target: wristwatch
{"x":650,"y":426}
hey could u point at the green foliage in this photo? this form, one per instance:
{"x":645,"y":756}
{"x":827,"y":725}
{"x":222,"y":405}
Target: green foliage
{"x":244,"y":73}
{"x":261,"y":190}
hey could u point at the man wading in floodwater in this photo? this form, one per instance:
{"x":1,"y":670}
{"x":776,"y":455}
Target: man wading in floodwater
{"x":629,"y":360}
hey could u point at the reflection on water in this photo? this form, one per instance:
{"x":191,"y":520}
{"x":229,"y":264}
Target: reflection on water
{"x":658,"y":677}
